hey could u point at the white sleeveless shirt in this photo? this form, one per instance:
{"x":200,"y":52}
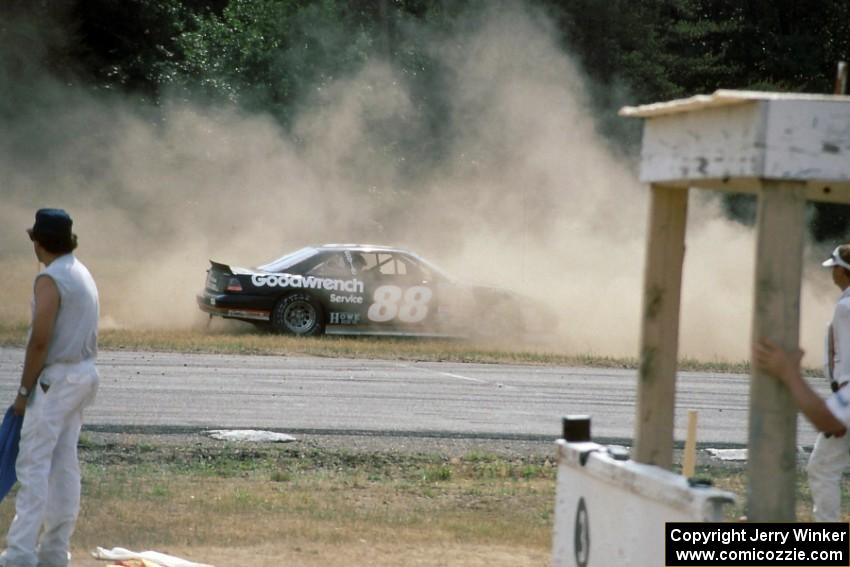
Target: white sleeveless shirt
{"x":75,"y":331}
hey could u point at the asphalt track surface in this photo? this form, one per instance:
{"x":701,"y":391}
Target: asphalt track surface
{"x":169,"y":392}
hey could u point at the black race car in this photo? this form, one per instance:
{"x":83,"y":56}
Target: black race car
{"x":359,"y":289}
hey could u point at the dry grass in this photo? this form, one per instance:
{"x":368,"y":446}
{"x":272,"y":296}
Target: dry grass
{"x":238,"y":339}
{"x":733,"y":477}
{"x":240,"y":512}
{"x":244,"y":339}
{"x":229,"y":506}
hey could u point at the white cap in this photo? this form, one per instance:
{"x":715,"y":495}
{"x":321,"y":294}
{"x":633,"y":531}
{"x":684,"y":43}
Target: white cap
{"x":836,"y":260}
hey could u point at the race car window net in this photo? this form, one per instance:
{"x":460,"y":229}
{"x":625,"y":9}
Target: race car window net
{"x":285,"y":262}
{"x":386,"y":264}
{"x":370,"y":260}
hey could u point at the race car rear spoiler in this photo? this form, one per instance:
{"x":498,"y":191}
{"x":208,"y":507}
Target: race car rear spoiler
{"x":223,"y":268}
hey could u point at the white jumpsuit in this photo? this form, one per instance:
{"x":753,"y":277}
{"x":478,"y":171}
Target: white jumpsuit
{"x":48,"y":470}
{"x":831,"y":455}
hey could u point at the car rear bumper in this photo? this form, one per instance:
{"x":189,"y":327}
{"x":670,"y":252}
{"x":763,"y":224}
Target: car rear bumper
{"x":230,"y":307}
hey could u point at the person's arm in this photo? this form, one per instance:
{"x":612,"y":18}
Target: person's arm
{"x":829,"y":355}
{"x":841,"y":346}
{"x":785,"y":366}
{"x":44,"y":318}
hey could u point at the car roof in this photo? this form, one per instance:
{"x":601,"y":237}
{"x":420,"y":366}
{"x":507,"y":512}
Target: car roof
{"x":363,"y":248}
{"x":378,"y":248}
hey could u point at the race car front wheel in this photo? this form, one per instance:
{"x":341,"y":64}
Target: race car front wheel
{"x":298,"y":314}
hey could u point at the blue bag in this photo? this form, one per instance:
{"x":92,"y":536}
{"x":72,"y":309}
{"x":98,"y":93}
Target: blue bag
{"x":10,"y":436}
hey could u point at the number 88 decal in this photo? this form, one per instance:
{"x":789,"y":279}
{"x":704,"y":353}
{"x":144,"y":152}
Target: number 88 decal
{"x":389,"y":303}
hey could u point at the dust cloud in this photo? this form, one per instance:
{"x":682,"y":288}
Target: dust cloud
{"x":528,"y":195}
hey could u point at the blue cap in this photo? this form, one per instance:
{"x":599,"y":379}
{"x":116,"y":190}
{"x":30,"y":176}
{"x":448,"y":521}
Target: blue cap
{"x":54,"y":223}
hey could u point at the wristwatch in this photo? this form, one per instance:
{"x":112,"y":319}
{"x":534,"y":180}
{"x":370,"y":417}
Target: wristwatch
{"x":23,"y":392}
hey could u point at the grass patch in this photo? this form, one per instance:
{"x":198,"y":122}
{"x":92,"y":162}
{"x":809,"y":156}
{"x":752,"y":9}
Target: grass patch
{"x":241,"y":340}
{"x":245,"y":342}
{"x":202,"y":496}
{"x":734,"y":479}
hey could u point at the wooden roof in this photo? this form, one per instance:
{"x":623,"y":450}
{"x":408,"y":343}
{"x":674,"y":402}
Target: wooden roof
{"x":722,"y":97}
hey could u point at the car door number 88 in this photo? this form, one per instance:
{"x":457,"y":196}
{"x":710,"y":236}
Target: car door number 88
{"x":390,"y":302}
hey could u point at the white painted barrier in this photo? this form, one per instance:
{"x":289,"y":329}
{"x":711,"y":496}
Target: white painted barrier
{"x":611,"y":512}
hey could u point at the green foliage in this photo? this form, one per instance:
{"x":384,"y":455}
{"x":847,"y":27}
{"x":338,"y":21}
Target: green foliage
{"x":264,"y":54}
{"x":269,"y":54}
{"x":670,"y":48}
{"x":437,"y":473}
{"x":276,"y":56}
{"x":129,"y":45}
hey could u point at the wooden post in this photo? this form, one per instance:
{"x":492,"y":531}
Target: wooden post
{"x":656,"y":395}
{"x":841,"y":78}
{"x":772,"y":456}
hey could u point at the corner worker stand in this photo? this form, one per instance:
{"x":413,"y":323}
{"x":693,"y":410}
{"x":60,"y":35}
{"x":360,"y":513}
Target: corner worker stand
{"x":786,"y":149}
{"x":610,"y":509}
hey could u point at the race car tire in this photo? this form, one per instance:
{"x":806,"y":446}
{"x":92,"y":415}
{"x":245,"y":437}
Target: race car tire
{"x":500,"y":321}
{"x":298,"y":314}
{"x":513,"y":314}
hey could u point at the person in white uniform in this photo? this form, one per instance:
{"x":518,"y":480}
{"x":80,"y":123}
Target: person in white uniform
{"x":831,"y":454}
{"x":58,"y":381}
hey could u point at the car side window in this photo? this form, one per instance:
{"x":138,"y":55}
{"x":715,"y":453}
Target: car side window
{"x":414,"y":269}
{"x":332,"y":266}
{"x":362,"y":262}
{"x":389,"y":266}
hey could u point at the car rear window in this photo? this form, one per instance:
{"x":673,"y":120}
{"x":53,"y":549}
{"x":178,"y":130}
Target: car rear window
{"x":286,"y":262}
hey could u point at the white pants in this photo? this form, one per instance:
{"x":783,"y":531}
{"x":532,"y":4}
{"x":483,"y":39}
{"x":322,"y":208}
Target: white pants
{"x":48,"y":469}
{"x":829,"y":459}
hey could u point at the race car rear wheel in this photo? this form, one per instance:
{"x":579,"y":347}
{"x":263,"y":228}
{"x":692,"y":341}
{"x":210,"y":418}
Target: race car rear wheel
{"x":502,"y":319}
{"x":298,"y":314}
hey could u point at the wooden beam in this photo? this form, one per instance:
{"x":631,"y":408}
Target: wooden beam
{"x":656,"y":396}
{"x":772,"y":458}
{"x":784,"y":139}
{"x":818,"y":190}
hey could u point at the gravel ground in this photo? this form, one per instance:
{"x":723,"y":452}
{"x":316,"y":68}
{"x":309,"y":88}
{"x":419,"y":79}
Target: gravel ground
{"x":399,"y":445}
